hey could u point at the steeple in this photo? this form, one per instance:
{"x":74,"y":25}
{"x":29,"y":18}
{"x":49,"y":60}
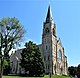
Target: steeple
{"x":49,"y":15}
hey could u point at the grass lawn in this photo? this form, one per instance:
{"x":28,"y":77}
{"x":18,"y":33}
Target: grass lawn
{"x":57,"y":76}
{"x":19,"y":77}
{"x":46,"y":76}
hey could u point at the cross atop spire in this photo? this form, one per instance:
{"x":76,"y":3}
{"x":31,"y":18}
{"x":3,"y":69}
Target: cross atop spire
{"x":49,"y":15}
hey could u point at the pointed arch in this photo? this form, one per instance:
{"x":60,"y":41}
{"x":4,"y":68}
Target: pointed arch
{"x":59,"y":55}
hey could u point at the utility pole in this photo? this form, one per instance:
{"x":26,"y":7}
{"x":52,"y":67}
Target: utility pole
{"x":50,"y":75}
{"x":50,"y":64}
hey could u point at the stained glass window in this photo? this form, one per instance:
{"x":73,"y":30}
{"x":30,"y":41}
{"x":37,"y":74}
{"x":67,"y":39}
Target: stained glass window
{"x":59,"y":55}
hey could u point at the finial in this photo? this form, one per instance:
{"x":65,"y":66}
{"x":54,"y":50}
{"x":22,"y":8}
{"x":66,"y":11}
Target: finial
{"x":49,"y":2}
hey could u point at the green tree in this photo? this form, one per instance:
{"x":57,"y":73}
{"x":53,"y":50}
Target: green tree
{"x":78,"y":71}
{"x":11,"y":33}
{"x":32,"y":60}
{"x":6,"y":69}
{"x":72,"y":71}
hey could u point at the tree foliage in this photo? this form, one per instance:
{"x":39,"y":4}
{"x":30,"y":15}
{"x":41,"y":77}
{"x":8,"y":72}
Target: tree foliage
{"x":11,"y":33}
{"x":78,"y":70}
{"x":74,"y":71}
{"x":32,"y":60}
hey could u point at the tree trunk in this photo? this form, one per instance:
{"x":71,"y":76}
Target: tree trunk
{"x":2,"y":61}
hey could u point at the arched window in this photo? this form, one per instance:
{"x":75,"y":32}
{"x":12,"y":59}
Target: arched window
{"x":47,"y":30}
{"x":53,"y":31}
{"x":46,"y":47}
{"x":48,"y":57}
{"x":59,"y":55}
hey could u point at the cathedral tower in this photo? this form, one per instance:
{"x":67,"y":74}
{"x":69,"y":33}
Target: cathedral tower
{"x":53,"y":51}
{"x":49,"y":42}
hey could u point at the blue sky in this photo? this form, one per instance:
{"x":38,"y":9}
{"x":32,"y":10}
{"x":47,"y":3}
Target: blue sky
{"x":32,"y":13}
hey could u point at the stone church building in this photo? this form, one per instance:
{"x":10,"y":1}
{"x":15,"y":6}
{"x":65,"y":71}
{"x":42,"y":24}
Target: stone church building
{"x":51,"y":49}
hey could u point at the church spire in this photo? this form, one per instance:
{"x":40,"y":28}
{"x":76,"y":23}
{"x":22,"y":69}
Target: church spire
{"x":49,"y":15}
